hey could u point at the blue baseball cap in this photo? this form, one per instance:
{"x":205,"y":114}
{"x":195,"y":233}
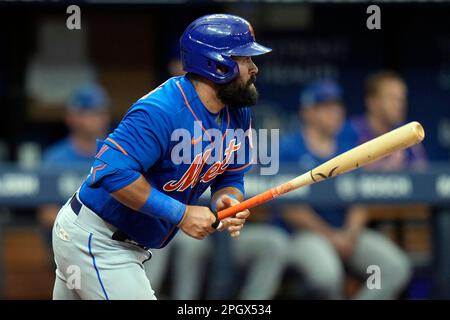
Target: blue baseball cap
{"x":89,"y":97}
{"x":319,"y":92}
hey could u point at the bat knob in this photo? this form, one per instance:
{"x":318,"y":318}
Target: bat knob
{"x":216,"y":224}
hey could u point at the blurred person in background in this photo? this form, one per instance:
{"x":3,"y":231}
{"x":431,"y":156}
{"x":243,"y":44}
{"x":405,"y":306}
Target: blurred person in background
{"x":386,"y":97}
{"x":327,"y":241}
{"x":386,"y":109}
{"x":87,"y":118}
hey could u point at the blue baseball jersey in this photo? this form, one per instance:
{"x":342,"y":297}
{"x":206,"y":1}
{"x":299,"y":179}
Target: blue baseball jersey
{"x":295,"y":151}
{"x":148,"y":140}
{"x":63,"y":154}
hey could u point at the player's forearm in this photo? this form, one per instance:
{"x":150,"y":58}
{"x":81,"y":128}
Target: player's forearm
{"x":140,"y":196}
{"x":135,"y":194}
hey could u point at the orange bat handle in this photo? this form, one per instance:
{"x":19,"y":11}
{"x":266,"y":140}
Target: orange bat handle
{"x":247,"y":204}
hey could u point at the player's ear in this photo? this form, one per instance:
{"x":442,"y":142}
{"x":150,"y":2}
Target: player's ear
{"x":222,"y":69}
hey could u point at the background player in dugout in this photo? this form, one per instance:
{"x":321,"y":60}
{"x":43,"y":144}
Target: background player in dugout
{"x":87,"y":119}
{"x":386,"y":95}
{"x":326,"y":240}
{"x":107,"y":227}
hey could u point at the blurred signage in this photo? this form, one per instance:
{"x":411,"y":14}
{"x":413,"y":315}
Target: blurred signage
{"x":20,"y":188}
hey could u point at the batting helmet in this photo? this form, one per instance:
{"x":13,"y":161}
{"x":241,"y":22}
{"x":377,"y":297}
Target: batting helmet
{"x":209,"y":42}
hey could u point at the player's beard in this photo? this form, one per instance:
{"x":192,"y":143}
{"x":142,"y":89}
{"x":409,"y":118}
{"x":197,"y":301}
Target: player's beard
{"x":236,"y":94}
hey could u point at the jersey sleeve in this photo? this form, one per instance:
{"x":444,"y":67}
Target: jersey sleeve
{"x":143,"y":135}
{"x":139,"y":141}
{"x":242,"y":159}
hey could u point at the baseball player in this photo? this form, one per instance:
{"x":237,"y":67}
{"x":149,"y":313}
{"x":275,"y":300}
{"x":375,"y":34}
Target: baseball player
{"x":136,"y":196}
{"x":327,"y":241}
{"x":87,"y":118}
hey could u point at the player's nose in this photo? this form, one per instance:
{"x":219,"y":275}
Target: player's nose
{"x":254,"y":69}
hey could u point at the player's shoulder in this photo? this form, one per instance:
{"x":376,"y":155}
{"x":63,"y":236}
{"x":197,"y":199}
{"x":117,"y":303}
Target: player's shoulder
{"x":57,"y":149}
{"x":356,"y":124}
{"x":292,"y":137}
{"x":242,"y":113}
{"x":240,"y":117}
{"x":352,"y":126}
{"x":292,"y":145}
{"x":60,"y":151}
{"x":167,"y":98}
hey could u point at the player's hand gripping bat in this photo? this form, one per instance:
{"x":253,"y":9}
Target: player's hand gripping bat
{"x":373,"y":150}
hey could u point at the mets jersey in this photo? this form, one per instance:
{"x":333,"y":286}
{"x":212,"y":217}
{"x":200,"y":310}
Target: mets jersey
{"x":149,"y":139}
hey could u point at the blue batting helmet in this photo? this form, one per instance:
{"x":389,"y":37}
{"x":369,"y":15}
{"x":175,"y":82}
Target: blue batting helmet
{"x":209,"y":42}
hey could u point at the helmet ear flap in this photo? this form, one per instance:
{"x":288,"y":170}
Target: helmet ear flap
{"x":222,"y":69}
{"x":225,"y":71}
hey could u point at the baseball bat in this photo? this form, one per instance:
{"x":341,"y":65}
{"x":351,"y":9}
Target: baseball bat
{"x":370,"y":151}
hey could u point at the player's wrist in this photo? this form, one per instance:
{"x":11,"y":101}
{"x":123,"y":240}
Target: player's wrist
{"x":183,"y":218}
{"x":162,"y":206}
